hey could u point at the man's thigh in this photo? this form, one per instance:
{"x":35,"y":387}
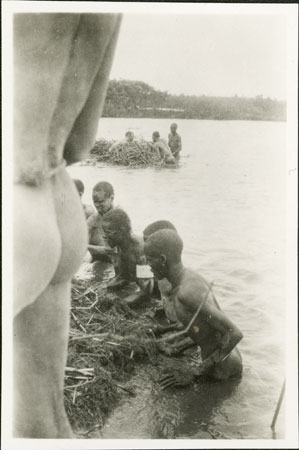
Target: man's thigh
{"x":40,"y":350}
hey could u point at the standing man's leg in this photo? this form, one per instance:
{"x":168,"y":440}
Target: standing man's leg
{"x":62,"y":63}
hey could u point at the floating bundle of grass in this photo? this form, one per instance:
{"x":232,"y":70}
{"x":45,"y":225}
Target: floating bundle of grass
{"x":138,"y":153}
{"x":106,"y":340}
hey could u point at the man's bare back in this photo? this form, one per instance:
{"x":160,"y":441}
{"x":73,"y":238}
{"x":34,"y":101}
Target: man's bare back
{"x":162,"y":149}
{"x":195,"y":305}
{"x":130,"y":248}
{"x":211,"y":327}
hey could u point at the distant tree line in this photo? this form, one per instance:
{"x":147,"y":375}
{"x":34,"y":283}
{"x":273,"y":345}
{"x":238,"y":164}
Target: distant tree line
{"x":127,"y":98}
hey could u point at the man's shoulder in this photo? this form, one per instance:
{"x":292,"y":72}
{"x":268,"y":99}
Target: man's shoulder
{"x":193,"y":284}
{"x":89,"y":210}
{"x":94,"y":219}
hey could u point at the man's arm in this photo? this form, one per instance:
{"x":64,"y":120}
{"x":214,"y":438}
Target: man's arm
{"x":90,"y":225}
{"x":121,"y":278}
{"x":100,"y":250}
{"x":156,"y":147}
{"x":231,"y":335}
{"x":115,"y":147}
{"x":179,"y":144}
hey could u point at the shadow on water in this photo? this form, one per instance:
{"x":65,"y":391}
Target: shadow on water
{"x":153,"y":413}
{"x":200,"y":405}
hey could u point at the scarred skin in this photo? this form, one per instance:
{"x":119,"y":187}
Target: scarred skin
{"x":60,"y":77}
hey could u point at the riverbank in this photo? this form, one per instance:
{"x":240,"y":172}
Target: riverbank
{"x":109,"y":345}
{"x":136,"y":99}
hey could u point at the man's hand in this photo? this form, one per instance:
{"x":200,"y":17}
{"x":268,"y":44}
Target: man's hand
{"x":117,"y":282}
{"x":178,"y":377}
{"x":146,"y":285}
{"x":100,"y":250}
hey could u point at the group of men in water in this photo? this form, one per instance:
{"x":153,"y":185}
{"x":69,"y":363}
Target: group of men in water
{"x":154,"y":264}
{"x":61,"y":70}
{"x":167,"y":152}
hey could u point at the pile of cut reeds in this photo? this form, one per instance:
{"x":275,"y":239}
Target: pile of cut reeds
{"x":106,"y":341}
{"x":138,"y":153}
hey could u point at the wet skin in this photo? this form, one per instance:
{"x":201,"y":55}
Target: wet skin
{"x":175,"y":151}
{"x":131,"y":254}
{"x":216,"y":335}
{"x":162,"y":149}
{"x":97,"y":243}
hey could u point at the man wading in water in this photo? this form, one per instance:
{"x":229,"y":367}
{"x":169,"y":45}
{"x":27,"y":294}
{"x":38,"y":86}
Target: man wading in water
{"x":102,"y":196}
{"x":174,"y":141}
{"x":216,"y":335}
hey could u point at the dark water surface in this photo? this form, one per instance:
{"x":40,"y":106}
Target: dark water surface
{"x":227,"y":200}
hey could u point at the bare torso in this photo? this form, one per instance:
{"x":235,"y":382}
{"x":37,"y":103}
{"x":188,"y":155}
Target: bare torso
{"x":203,"y":331}
{"x":130,"y":257}
{"x":162,"y":147}
{"x":95,"y":230}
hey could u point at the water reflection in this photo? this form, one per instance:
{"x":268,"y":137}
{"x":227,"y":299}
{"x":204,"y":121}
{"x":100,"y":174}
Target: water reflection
{"x":202,"y":405}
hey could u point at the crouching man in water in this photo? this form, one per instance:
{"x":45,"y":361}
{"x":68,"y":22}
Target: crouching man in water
{"x":216,"y":335}
{"x":118,"y":231}
{"x":162,"y":149}
{"x":162,"y":287}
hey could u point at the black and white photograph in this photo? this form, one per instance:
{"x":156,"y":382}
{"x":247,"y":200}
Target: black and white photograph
{"x":150,"y":225}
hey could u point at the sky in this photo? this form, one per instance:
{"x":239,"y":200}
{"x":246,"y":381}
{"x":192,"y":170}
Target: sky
{"x":221,"y":55}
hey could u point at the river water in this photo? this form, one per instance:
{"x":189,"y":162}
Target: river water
{"x":227,"y":201}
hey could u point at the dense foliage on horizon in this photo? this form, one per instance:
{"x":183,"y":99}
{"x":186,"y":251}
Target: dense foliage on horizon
{"x":129,"y":99}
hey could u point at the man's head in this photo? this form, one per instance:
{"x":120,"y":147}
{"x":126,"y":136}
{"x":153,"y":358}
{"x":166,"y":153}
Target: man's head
{"x":156,"y":226}
{"x":129,"y":136}
{"x":173,"y":128}
{"x":156,"y":136}
{"x":102,"y":196}
{"x":116,"y":226}
{"x":163,"y":249}
{"x":80,"y":186}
